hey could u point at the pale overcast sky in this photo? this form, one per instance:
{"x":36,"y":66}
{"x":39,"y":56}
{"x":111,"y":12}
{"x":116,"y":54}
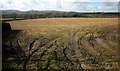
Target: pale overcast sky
{"x":61,"y":5}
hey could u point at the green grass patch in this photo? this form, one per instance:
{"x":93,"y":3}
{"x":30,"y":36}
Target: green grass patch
{"x":10,"y":19}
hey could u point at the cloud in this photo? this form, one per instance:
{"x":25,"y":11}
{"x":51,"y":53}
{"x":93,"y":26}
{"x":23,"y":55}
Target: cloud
{"x":92,"y":0}
{"x":109,"y":0}
{"x":119,"y":7}
{"x":78,"y":0}
{"x":109,"y":6}
{"x":61,"y":5}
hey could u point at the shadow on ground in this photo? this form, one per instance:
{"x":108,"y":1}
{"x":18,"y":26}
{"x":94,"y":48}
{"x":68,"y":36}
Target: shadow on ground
{"x":7,"y":52}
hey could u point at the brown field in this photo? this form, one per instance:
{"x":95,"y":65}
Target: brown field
{"x":62,"y":23}
{"x":64,"y":43}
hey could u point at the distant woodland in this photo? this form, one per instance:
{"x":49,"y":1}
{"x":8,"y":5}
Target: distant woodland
{"x":15,"y":14}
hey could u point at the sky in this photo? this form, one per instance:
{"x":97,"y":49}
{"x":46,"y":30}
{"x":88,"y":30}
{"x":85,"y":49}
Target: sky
{"x":61,"y":5}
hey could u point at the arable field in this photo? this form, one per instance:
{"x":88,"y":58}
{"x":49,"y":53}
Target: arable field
{"x":62,"y":43}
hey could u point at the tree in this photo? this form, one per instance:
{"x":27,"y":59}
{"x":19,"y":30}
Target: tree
{"x":14,"y":16}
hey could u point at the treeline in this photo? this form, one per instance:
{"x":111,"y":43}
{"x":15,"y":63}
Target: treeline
{"x":56,"y":14}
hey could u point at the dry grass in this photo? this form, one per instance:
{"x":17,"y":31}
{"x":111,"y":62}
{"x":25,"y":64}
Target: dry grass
{"x":77,"y":43}
{"x":62,"y":23}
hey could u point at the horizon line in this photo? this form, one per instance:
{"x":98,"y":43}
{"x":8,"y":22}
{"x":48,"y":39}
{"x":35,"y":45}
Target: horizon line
{"x":61,"y":11}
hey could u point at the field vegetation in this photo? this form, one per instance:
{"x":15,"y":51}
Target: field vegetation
{"x":61,"y":43}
